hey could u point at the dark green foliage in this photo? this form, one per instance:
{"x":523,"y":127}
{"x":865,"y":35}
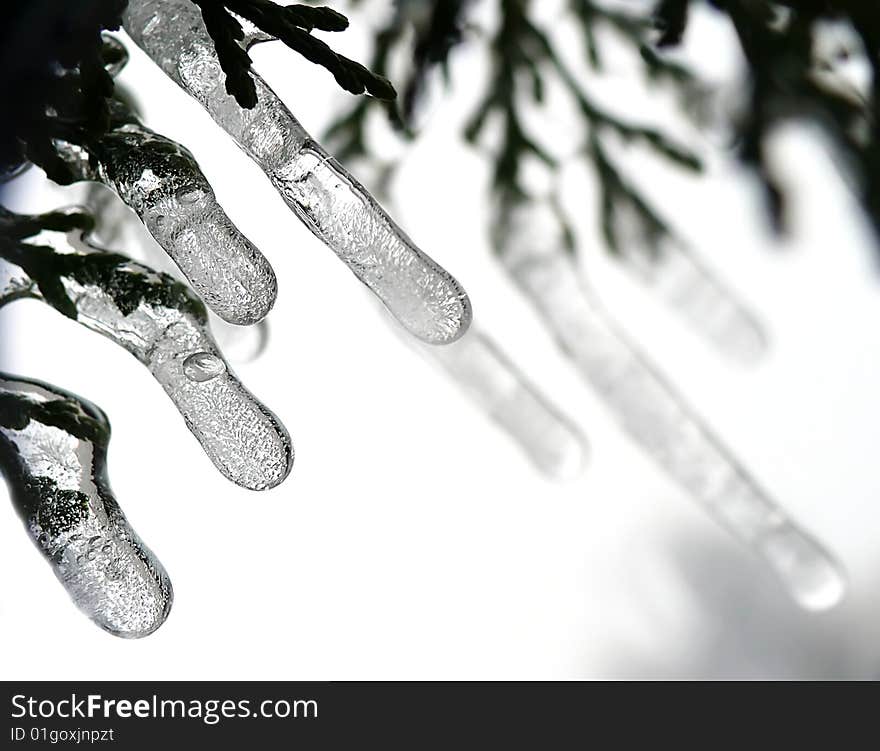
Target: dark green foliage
{"x":54,"y":83}
{"x":435,"y":39}
{"x":128,"y":285}
{"x":39,"y":499}
{"x":778,"y":41}
{"x":523,"y":61}
{"x":80,"y":419}
{"x":347,"y":133}
{"x":291,"y":25}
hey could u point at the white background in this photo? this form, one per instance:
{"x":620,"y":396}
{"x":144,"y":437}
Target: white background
{"x":413,"y":539}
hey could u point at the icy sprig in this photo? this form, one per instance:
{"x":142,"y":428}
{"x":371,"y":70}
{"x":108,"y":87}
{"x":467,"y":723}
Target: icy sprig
{"x":330,"y":202}
{"x":159,"y":321}
{"x":162,"y":182}
{"x":53,"y":453}
{"x":651,"y":411}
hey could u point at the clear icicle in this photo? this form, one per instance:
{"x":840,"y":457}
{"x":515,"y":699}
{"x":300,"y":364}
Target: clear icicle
{"x":161,"y":323}
{"x":702,"y":300}
{"x":53,"y":451}
{"x":117,"y":227}
{"x":162,"y":182}
{"x":332,"y":204}
{"x":501,"y":390}
{"x":652,"y":413}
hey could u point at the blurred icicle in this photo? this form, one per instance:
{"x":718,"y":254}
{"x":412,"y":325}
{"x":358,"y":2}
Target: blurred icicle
{"x":53,"y":453}
{"x":702,"y":300}
{"x":495,"y":385}
{"x":503,"y":392}
{"x":532,"y":249}
{"x":329,"y":201}
{"x":159,"y":321}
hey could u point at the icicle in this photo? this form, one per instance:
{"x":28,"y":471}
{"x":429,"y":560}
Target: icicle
{"x":161,"y":323}
{"x":653,"y":414}
{"x":162,"y":182}
{"x":712,"y":309}
{"x":332,"y":204}
{"x":117,"y":227}
{"x":497,"y":387}
{"x":53,"y":451}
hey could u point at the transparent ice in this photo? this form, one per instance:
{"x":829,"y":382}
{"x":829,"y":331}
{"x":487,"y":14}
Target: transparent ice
{"x":162,"y":182}
{"x":332,"y":204}
{"x":58,"y":482}
{"x":500,"y":389}
{"x":705,"y":303}
{"x":652,"y":413}
{"x":117,"y":227}
{"x":503,"y":392}
{"x":244,"y":440}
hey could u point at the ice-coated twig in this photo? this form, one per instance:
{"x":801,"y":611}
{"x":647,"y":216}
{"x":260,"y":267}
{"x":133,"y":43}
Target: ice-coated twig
{"x":651,"y":411}
{"x":161,"y":322}
{"x":53,"y":454}
{"x":161,"y":181}
{"x":117,"y":227}
{"x":503,"y":392}
{"x":425,"y":298}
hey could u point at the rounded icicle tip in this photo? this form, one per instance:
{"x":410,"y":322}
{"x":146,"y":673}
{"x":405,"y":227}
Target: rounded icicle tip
{"x":813,"y":577}
{"x":53,"y":449}
{"x":240,"y":435}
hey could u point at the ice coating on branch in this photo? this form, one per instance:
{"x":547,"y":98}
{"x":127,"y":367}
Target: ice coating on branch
{"x":653,"y":414}
{"x":117,"y":227}
{"x":162,"y":182}
{"x":161,"y":323}
{"x":53,"y":452}
{"x":332,"y":204}
{"x":702,"y":300}
{"x":503,"y":392}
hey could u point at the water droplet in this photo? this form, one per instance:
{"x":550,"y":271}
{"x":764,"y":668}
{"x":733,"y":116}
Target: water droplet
{"x":203,"y":366}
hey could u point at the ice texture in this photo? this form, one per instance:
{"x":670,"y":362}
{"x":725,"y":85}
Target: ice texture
{"x":159,"y":321}
{"x":702,"y":300}
{"x":53,"y":451}
{"x":162,"y":182}
{"x":502,"y":391}
{"x":651,"y":411}
{"x":117,"y":227}
{"x":425,"y":298}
